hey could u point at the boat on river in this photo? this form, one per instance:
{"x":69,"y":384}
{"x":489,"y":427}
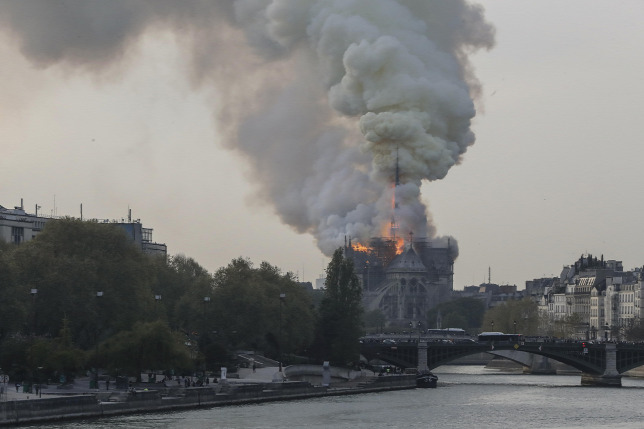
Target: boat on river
{"x":426,"y":379}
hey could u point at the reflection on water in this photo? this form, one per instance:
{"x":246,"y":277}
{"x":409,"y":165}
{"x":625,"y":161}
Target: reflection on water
{"x":467,"y":396}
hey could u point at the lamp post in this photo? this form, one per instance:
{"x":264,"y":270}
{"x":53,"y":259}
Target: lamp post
{"x":34,"y":293}
{"x":420,"y":325}
{"x":492,"y":325}
{"x":99,"y":295}
{"x":205,"y":329}
{"x":206,"y":300}
{"x":157,"y":299}
{"x":515,"y":326}
{"x":38,"y":382}
{"x":282,"y":298}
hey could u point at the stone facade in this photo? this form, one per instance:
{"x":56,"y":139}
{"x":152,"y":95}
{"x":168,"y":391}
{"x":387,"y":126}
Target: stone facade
{"x":404,"y":286}
{"x":599,"y":296}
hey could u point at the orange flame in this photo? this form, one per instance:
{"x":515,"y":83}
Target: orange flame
{"x":400,"y":245}
{"x":397,"y":243}
{"x":389,"y":231}
{"x":360,"y":248}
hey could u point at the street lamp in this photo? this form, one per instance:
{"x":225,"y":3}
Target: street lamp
{"x":205,"y":329}
{"x":515,"y":326}
{"x":39,"y":384}
{"x":206,"y":300}
{"x":34,"y":292}
{"x":282,"y":298}
{"x":492,"y":325}
{"x":411,"y":328}
{"x":420,"y":325}
{"x":99,"y":296}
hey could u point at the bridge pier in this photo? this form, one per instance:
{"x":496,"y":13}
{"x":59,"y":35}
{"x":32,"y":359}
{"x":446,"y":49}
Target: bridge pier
{"x":610,"y":377}
{"x":601,"y":380}
{"x":422,"y":356}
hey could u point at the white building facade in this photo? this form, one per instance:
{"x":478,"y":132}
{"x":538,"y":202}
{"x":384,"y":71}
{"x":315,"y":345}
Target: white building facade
{"x":17,"y":227}
{"x":598,"y":298}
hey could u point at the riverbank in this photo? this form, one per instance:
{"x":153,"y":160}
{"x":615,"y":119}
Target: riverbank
{"x":147,"y":399}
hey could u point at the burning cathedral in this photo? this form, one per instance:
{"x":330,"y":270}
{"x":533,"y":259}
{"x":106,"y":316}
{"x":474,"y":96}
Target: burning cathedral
{"x":324,"y":100}
{"x":403,"y":278}
{"x":405,"y":285}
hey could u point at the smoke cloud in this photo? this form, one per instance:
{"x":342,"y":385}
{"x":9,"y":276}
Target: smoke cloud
{"x":321,"y":96}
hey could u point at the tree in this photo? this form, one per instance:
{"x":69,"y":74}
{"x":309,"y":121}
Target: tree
{"x":13,"y":357}
{"x":374,"y":320}
{"x":464,"y":313}
{"x":456,"y":320}
{"x":184,"y":284}
{"x":68,"y":263}
{"x":635,"y":331}
{"x":567,"y":326}
{"x":14,"y":308}
{"x":72,"y":260}
{"x":339,"y":325}
{"x":58,"y":356}
{"x":247,"y":312}
{"x":147,"y":346}
{"x":510,"y":316}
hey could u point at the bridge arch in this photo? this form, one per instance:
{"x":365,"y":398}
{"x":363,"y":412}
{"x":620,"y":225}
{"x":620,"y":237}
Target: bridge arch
{"x":601,"y":363}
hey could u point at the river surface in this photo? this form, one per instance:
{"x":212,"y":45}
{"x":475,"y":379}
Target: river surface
{"x":466,"y":397}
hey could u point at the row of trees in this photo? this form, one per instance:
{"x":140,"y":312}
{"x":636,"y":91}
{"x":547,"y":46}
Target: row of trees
{"x":514,"y":317}
{"x":521,"y":316}
{"x":81,"y":295}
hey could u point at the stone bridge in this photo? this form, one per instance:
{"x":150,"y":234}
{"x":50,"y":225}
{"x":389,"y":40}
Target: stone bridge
{"x":600,"y":364}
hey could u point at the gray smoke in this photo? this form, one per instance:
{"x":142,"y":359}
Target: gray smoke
{"x":320,"y":96}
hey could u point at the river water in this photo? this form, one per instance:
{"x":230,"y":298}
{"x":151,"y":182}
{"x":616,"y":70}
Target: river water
{"x":466,"y":397}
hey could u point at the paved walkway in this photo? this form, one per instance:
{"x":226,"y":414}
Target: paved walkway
{"x":261,"y":375}
{"x":81,"y":385}
{"x":10,"y":394}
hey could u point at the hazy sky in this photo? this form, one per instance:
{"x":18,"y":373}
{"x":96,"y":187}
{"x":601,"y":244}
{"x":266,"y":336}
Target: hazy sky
{"x":554,"y":172}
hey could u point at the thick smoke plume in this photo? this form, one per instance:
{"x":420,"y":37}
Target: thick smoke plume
{"x":321,"y":96}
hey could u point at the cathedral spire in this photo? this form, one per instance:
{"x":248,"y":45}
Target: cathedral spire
{"x":394,"y":224}
{"x":397,"y":182}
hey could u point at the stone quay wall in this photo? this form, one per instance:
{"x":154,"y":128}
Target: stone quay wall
{"x":142,"y":401}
